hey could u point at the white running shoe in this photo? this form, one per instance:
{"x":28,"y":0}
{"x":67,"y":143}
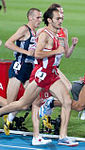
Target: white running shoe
{"x":67,"y":142}
{"x":83,"y":115}
{"x":73,"y":139}
{"x":40,"y":141}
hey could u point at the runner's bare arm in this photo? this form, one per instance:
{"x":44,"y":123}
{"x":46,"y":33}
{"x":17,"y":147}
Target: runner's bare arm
{"x":42,"y":42}
{"x":19,"y":35}
{"x":69,"y":50}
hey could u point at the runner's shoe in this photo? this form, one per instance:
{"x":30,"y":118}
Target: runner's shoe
{"x":67,"y":141}
{"x":45,"y":109}
{"x":83,"y":115}
{"x":7,"y":127}
{"x":73,"y":139}
{"x":40,"y":141}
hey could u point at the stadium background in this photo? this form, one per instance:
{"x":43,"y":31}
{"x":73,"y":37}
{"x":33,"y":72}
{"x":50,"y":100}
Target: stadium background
{"x":74,"y":21}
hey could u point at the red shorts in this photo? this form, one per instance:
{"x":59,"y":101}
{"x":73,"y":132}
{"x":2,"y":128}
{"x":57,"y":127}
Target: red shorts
{"x":43,"y":77}
{"x":49,"y":79}
{"x":44,"y":94}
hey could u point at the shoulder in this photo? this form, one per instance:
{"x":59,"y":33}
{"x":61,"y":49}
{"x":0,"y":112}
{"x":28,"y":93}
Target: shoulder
{"x":39,"y":31}
{"x":23,"y":30}
{"x":43,"y":37}
{"x":44,"y":34}
{"x":65,"y":30}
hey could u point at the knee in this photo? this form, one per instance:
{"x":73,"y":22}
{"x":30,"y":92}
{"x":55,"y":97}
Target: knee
{"x":78,"y":107}
{"x":34,"y":105}
{"x":68,"y":101}
{"x":69,"y":88}
{"x":20,"y":104}
{"x":25,"y":107}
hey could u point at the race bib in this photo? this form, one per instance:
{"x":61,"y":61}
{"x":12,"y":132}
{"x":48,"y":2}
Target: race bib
{"x":41,"y":75}
{"x":17,"y":66}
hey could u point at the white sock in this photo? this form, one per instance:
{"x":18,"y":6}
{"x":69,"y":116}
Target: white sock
{"x":11,"y":116}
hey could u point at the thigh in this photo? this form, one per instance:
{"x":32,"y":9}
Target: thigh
{"x":26,"y":84}
{"x":59,"y":90}
{"x":37,"y":102}
{"x":65,"y":80}
{"x":12,"y":89}
{"x":31,"y":93}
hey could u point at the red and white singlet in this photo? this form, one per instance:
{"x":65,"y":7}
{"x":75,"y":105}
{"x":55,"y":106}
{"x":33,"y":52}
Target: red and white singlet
{"x":45,"y":70}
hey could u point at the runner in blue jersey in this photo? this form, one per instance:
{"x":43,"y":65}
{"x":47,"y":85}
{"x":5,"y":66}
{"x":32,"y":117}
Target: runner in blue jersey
{"x":22,"y":66}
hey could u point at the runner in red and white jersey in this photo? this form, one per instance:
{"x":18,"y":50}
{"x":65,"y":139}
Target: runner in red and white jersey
{"x":45,"y":94}
{"x":47,"y":66}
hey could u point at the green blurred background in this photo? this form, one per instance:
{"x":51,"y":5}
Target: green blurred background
{"x":74,"y":21}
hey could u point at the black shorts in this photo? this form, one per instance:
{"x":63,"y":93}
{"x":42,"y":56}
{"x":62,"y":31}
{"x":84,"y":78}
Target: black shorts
{"x":76,"y":88}
{"x":23,"y":73}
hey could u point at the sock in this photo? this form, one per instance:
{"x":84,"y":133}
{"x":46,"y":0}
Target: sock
{"x":11,"y":116}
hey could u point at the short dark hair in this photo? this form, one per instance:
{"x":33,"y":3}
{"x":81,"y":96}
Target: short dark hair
{"x":31,"y":11}
{"x":49,"y":14}
{"x":55,"y":5}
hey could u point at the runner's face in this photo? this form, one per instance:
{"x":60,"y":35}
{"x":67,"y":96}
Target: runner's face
{"x":61,"y":13}
{"x":37,"y":18}
{"x":56,"y":20}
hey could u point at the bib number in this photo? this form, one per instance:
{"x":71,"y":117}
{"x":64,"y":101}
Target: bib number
{"x":17,"y":66}
{"x":41,"y":75}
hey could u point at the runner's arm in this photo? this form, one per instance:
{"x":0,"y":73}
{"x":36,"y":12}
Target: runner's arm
{"x":10,"y":43}
{"x":69,"y":50}
{"x":42,"y":41}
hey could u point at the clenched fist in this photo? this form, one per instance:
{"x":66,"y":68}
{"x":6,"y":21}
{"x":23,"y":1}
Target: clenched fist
{"x":74,"y":40}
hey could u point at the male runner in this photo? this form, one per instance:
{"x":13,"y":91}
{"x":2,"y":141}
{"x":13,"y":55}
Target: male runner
{"x":45,"y":95}
{"x":23,"y":64}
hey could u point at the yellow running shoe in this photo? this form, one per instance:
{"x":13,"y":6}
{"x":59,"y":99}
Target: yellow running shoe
{"x":5,"y":118}
{"x":46,"y":122}
{"x":6,"y":127}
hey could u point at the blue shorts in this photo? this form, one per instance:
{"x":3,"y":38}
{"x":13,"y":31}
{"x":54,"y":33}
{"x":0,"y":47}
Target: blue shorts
{"x":20,"y":71}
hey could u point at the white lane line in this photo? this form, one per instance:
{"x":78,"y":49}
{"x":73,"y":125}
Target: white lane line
{"x":20,"y":147}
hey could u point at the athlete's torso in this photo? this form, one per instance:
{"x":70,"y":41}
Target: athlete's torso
{"x":48,"y":62}
{"x":25,"y":44}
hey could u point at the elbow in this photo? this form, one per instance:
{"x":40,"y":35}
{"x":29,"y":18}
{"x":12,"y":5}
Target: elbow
{"x":36,"y":55}
{"x":7,"y":44}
